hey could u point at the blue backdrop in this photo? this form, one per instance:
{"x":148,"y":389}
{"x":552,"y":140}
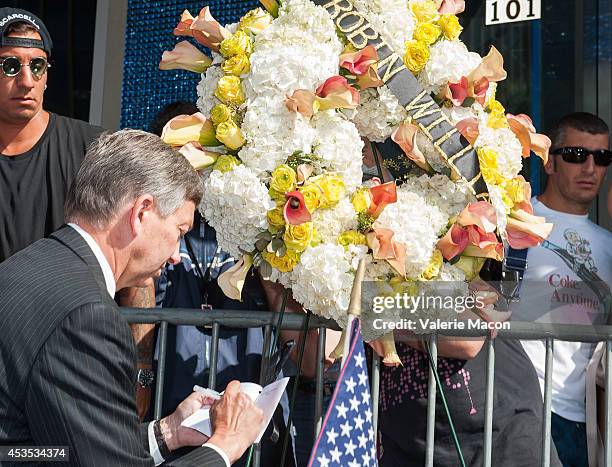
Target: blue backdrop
{"x":148,"y":34}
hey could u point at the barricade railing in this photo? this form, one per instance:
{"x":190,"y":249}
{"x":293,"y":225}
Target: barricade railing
{"x":291,"y":321}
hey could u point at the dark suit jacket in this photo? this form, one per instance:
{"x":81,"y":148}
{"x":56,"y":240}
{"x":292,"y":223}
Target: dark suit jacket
{"x":68,"y":359}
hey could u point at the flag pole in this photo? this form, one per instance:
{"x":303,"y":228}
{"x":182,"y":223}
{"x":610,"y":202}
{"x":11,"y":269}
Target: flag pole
{"x":354,"y":309}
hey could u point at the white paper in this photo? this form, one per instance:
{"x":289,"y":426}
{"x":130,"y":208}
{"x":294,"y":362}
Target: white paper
{"x":265,"y":399}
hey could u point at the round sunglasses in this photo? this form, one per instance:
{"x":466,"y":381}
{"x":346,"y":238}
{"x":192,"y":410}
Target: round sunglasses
{"x":578,"y":155}
{"x":11,"y":66}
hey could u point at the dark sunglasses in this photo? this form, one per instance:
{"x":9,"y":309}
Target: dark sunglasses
{"x":11,"y":66}
{"x":578,"y":155}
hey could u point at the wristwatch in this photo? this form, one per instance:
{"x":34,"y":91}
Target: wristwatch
{"x":145,"y":378}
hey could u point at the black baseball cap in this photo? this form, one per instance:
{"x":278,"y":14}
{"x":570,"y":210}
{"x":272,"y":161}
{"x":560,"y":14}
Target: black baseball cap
{"x":9,"y":16}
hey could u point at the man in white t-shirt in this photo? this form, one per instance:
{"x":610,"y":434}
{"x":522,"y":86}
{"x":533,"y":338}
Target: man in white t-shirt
{"x":569,"y":275}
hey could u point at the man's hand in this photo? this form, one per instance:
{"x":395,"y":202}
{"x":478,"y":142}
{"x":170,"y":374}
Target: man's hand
{"x":177,"y":436}
{"x":236,"y":422}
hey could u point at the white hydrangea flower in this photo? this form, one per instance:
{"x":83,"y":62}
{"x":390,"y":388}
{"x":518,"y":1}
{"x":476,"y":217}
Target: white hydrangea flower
{"x":450,"y":197}
{"x":333,"y":221}
{"x":236,"y":204}
{"x":339,"y":147}
{"x":392,"y":19}
{"x":206,"y":89}
{"x":273,"y":133}
{"x":378,"y":114}
{"x":416,"y":223}
{"x":323,"y":280}
{"x":449,"y":61}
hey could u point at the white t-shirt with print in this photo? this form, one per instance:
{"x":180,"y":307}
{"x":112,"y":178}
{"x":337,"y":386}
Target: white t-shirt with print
{"x":567,"y":278}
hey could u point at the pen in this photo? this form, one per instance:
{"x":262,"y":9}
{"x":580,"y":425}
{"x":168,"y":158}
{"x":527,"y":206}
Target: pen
{"x":207,"y":392}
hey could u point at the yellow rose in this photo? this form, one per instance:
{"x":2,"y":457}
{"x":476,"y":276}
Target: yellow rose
{"x":284,"y":263}
{"x":236,"y":65}
{"x":433,"y":268}
{"x":424,"y":11}
{"x":332,"y":187}
{"x":230,"y":135}
{"x":255,"y":21}
{"x":351,"y":237}
{"x":225,"y":163}
{"x":416,"y":56}
{"x":221,"y":113}
{"x":470,"y":265}
{"x":284,"y":179}
{"x":488,"y":166}
{"x":450,"y":26}
{"x":497,"y":116}
{"x":237,"y":44}
{"x":362,"y":199}
{"x":515,"y":189}
{"x":298,"y":237}
{"x":312,"y":196}
{"x":229,"y":90}
{"x":278,"y":197}
{"x":276,"y":219}
{"x":427,"y":33}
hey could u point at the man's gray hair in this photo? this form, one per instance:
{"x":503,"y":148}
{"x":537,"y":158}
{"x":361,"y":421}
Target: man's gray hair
{"x":122,"y":166}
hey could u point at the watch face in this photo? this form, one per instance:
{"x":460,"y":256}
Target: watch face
{"x":145,"y":378}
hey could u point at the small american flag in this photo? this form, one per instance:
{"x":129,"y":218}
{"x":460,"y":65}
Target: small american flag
{"x":347,"y":437}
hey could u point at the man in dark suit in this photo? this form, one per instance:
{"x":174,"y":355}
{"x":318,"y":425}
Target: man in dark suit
{"x":67,"y":357}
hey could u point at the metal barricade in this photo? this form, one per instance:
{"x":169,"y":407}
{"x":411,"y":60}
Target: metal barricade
{"x":291,"y":321}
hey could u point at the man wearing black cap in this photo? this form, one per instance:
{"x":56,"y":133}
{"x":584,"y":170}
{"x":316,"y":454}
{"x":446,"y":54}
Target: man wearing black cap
{"x":40,"y":152}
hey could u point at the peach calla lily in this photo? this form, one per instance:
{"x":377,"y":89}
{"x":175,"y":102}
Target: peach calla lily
{"x":481,"y":214}
{"x":197,"y":156}
{"x":304,"y":171}
{"x":295,"y":210}
{"x":336,"y":93}
{"x":204,"y":28}
{"x":384,"y":247}
{"x":453,"y":242}
{"x":473,"y":233}
{"x":302,"y":101}
{"x":185,"y":56}
{"x":525,"y":230}
{"x":382,"y":195}
{"x":451,"y":7}
{"x":184,"y":129}
{"x":359,"y":61}
{"x":468,"y":128}
{"x":491,"y":68}
{"x":232,"y":281}
{"x":405,"y":137}
{"x":458,"y":92}
{"x":523,"y":128}
{"x":385,"y":347}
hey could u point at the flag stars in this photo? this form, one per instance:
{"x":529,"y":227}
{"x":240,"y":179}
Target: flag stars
{"x":368,"y":414}
{"x":331,"y":436}
{"x":323,"y":460}
{"x":366,"y":458}
{"x":354,"y":404}
{"x":336,"y":454}
{"x":359,"y":422}
{"x":346,"y":429}
{"x":342,"y":409}
{"x":353,"y":463}
{"x":365,"y":397}
{"x":350,"y":448}
{"x":359,"y":360}
{"x":363,"y":378}
{"x":350,"y":385}
{"x":363,"y":439}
